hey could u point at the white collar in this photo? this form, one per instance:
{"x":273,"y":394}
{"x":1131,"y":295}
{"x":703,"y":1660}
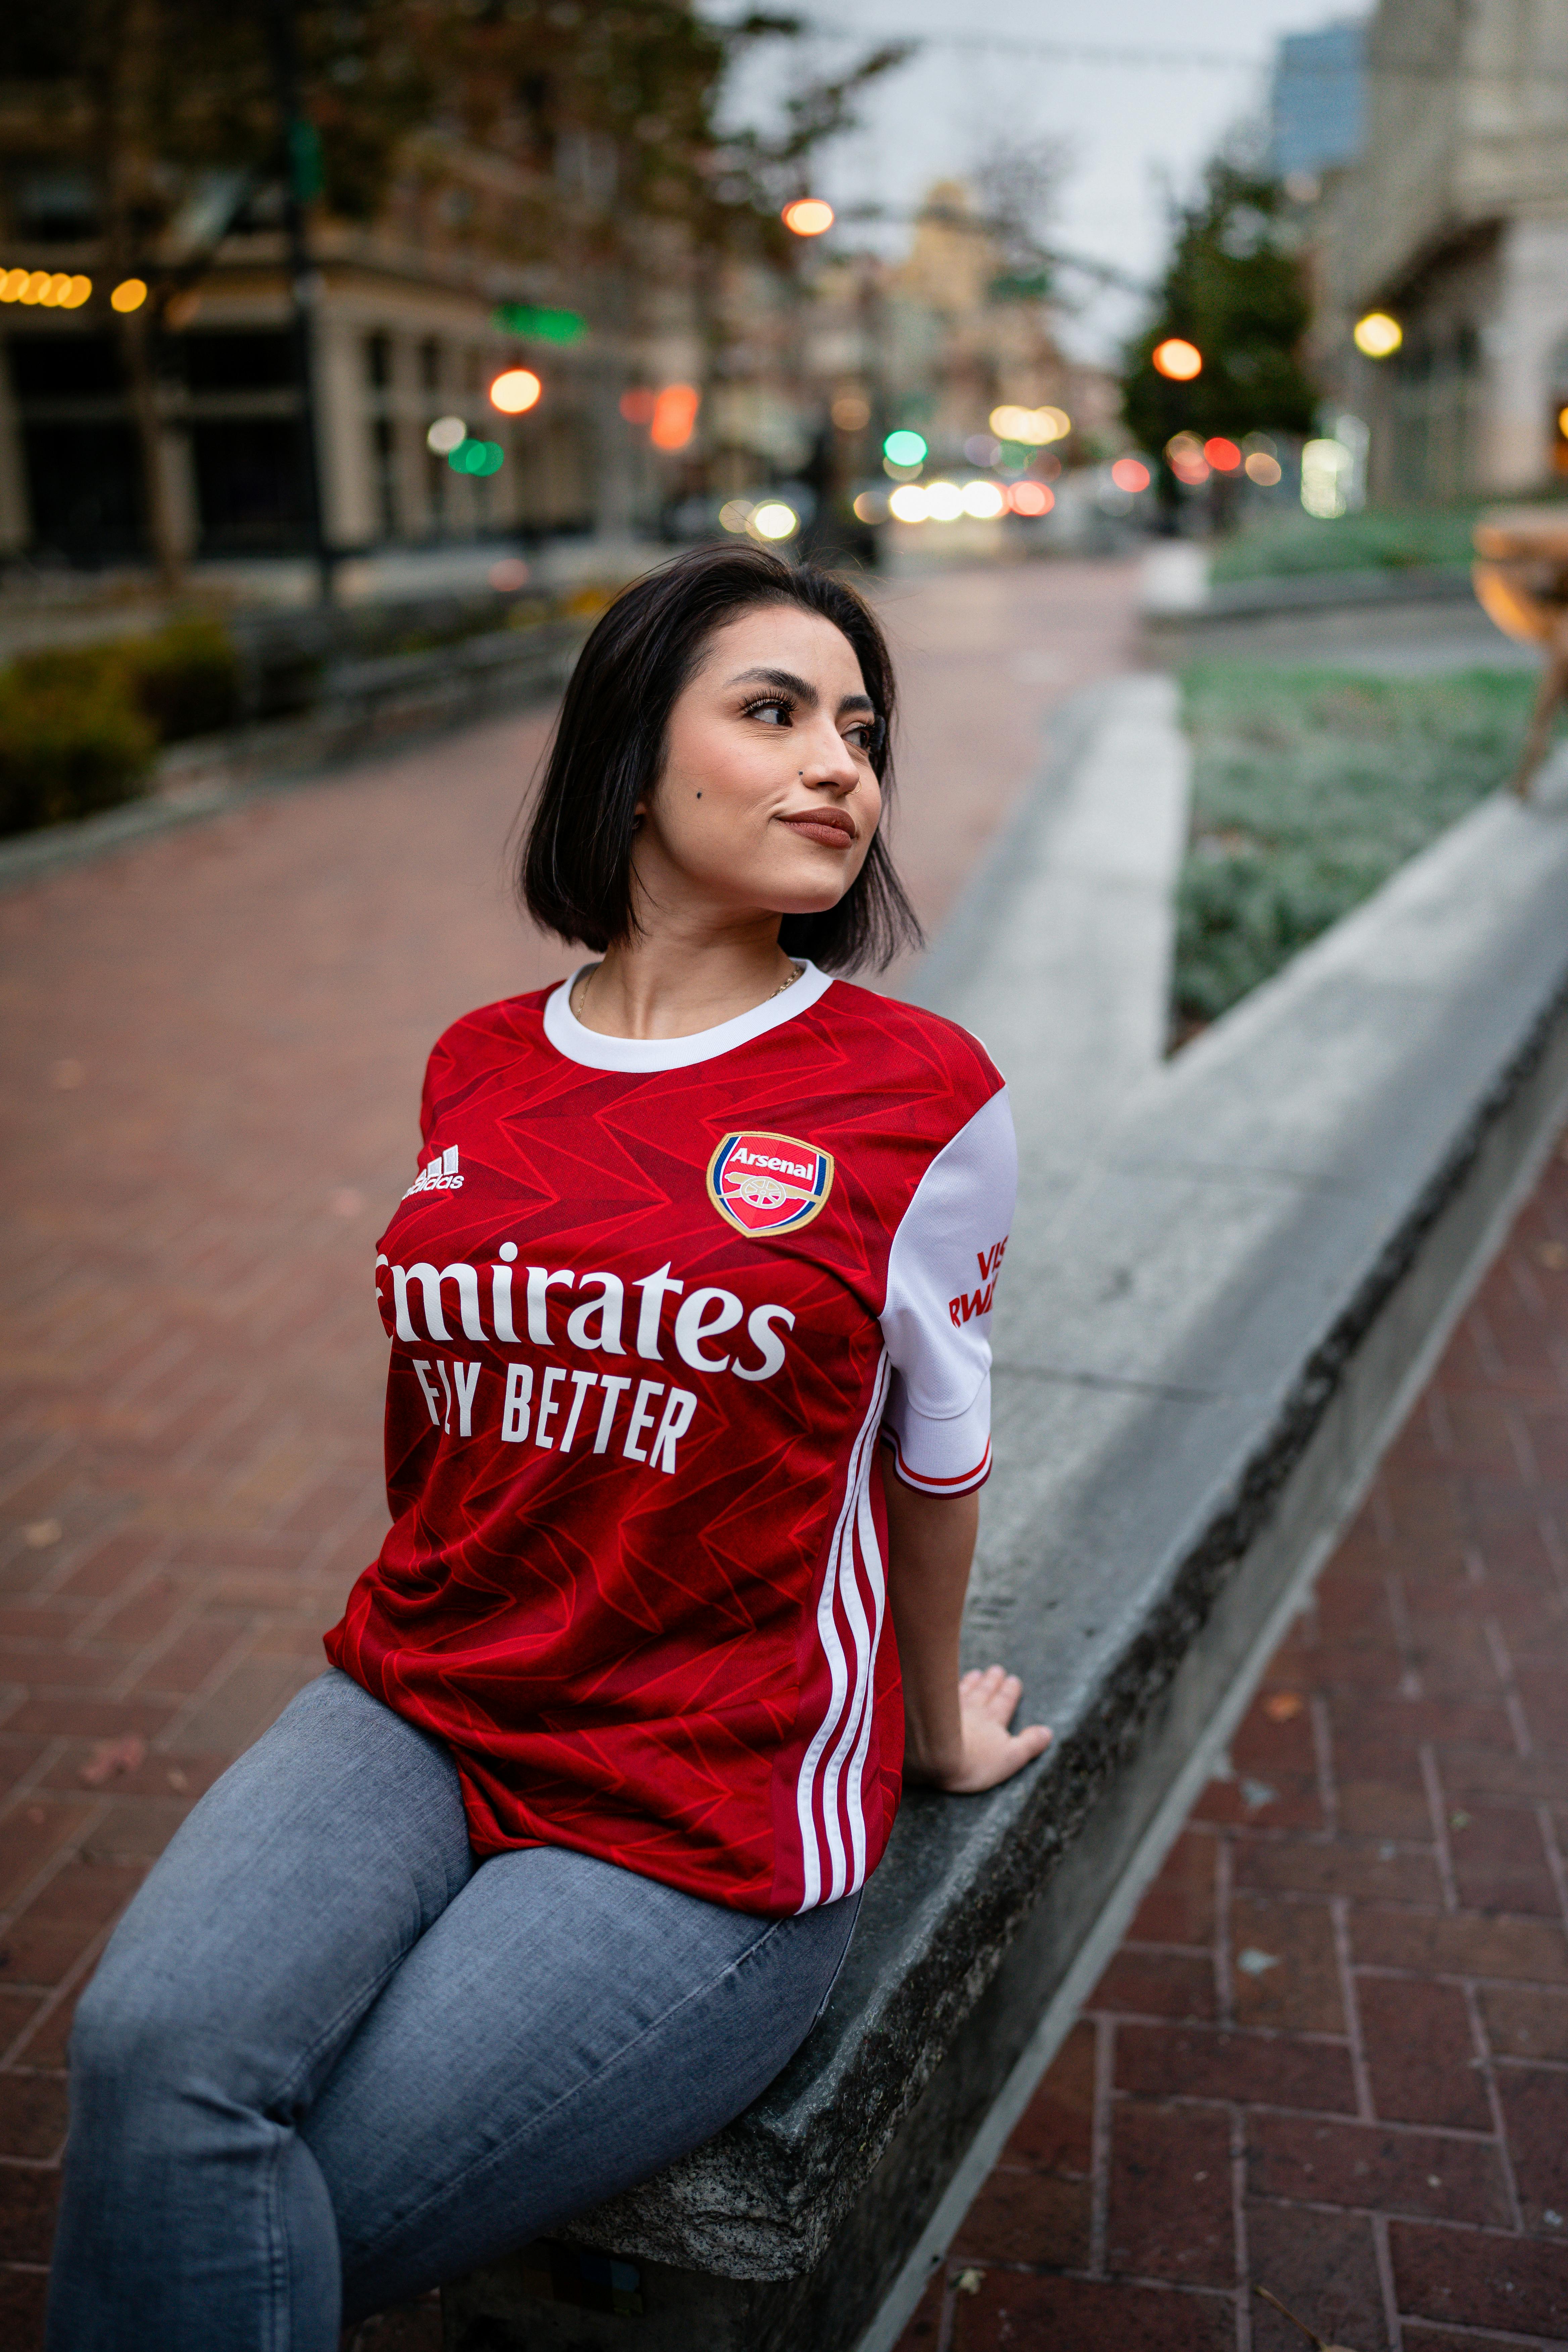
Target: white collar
{"x":570,"y":1038}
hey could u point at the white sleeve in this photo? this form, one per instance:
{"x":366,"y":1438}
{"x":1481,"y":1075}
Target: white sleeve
{"x":941,"y":1278}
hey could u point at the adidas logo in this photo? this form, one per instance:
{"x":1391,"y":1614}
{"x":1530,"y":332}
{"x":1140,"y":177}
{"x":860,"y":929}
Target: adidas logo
{"x":440,"y":1176}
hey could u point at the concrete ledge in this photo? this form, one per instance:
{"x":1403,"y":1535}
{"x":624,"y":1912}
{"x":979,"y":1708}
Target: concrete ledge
{"x":1306,"y":591}
{"x":1073,"y":917}
{"x":1204,"y":1342}
{"x":1179,"y":591}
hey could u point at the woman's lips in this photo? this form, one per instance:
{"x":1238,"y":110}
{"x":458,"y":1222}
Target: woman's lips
{"x":834,"y":832}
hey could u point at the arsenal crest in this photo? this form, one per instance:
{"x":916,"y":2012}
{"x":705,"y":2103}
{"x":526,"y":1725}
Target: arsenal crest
{"x":763,"y":1184}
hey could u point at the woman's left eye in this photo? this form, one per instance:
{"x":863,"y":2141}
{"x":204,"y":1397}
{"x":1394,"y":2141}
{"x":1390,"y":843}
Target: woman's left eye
{"x":861,"y":738}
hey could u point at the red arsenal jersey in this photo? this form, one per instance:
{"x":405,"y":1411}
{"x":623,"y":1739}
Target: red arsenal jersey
{"x":651,"y":1304}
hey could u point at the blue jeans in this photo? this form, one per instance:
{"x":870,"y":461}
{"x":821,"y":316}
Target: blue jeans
{"x":328,"y":2060}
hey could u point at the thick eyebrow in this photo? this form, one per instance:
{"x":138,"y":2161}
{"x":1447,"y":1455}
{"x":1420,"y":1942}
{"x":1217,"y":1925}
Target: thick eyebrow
{"x":787,"y":680}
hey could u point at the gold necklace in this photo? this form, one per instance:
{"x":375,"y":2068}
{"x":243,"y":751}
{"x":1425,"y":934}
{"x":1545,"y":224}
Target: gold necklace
{"x":579,"y":996}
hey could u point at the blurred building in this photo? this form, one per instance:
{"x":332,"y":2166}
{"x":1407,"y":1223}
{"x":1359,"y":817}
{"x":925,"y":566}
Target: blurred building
{"x":937,"y":341}
{"x":412,"y":321}
{"x":489,"y":236}
{"x":674,"y":376}
{"x":405,"y":332}
{"x":1317,"y":122}
{"x":1454,"y":221}
{"x":965,"y":334}
{"x":1318,"y":104}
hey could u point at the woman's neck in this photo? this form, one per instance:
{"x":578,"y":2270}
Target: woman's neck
{"x":667,"y":984}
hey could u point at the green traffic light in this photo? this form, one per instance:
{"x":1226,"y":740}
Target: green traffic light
{"x":476,"y":457}
{"x":546,"y":326}
{"x":905,"y":448}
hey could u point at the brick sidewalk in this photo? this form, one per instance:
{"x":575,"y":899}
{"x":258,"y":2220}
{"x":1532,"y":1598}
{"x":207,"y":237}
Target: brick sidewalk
{"x":1331,"y":2057}
{"x":1355,"y":1959}
{"x":209,"y":1076}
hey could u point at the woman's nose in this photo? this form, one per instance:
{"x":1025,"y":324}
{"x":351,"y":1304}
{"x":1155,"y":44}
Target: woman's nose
{"x":832,"y":764}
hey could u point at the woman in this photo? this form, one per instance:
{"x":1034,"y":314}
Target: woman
{"x":553,"y":1870}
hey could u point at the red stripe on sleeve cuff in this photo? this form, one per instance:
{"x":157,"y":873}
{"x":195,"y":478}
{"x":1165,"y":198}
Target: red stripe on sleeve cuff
{"x":962,"y":1485}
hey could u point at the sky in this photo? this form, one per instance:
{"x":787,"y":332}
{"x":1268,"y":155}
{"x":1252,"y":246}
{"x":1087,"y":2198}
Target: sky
{"x":1133,"y":131}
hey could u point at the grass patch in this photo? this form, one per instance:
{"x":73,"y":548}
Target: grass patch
{"x":1377,"y":539}
{"x":1310,"y":789}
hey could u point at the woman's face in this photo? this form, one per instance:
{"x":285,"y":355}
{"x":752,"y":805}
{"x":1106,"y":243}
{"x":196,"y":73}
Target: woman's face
{"x":767,"y":803}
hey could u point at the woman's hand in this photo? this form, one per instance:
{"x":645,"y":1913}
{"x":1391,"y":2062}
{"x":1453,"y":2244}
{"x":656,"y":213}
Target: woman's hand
{"x":955,"y":1727}
{"x":987,"y":1752}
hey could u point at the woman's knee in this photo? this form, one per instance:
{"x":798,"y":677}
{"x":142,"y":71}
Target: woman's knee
{"x":135,"y":2024}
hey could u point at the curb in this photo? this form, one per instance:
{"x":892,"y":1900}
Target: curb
{"x":1073,"y":909}
{"x":1314,"y":592}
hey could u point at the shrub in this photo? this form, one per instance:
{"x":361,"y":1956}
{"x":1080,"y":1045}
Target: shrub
{"x":65,"y":750}
{"x":1242,"y":917}
{"x":79,"y":724}
{"x":68,"y":669}
{"x":1310,"y":789}
{"x":185,"y":679}
{"x":1285,"y":543}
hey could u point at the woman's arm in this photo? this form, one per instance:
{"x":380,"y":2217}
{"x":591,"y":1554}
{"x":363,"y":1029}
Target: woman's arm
{"x":955,"y":1731}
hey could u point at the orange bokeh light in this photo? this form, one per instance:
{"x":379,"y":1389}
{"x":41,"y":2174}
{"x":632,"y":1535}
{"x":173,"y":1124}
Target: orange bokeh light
{"x":1184,"y":456}
{"x":637,"y":405}
{"x":516,"y":390}
{"x":1030,"y":498}
{"x":1129,"y":475}
{"x":1222,"y":454}
{"x":807,"y":216}
{"x":674,"y":415}
{"x":1178,"y":360}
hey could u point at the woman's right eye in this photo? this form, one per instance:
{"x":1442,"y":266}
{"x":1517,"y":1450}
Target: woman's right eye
{"x":781,"y":711}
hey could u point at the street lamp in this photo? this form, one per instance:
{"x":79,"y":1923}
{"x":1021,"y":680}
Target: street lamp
{"x":1177,"y":359}
{"x":774,"y":520}
{"x":515,"y":391}
{"x":1377,"y":335}
{"x":807,"y":216}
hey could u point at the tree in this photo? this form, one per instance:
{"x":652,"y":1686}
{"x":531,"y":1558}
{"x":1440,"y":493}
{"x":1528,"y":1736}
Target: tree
{"x":1235,"y":288}
{"x":604,"y":116}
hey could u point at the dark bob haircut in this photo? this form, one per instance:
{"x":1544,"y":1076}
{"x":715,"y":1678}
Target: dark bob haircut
{"x":575,"y":874}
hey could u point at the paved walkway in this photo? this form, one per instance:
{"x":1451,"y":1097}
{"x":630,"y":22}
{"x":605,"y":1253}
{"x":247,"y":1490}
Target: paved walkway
{"x":1331,"y":2057}
{"x":210,"y":1058}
